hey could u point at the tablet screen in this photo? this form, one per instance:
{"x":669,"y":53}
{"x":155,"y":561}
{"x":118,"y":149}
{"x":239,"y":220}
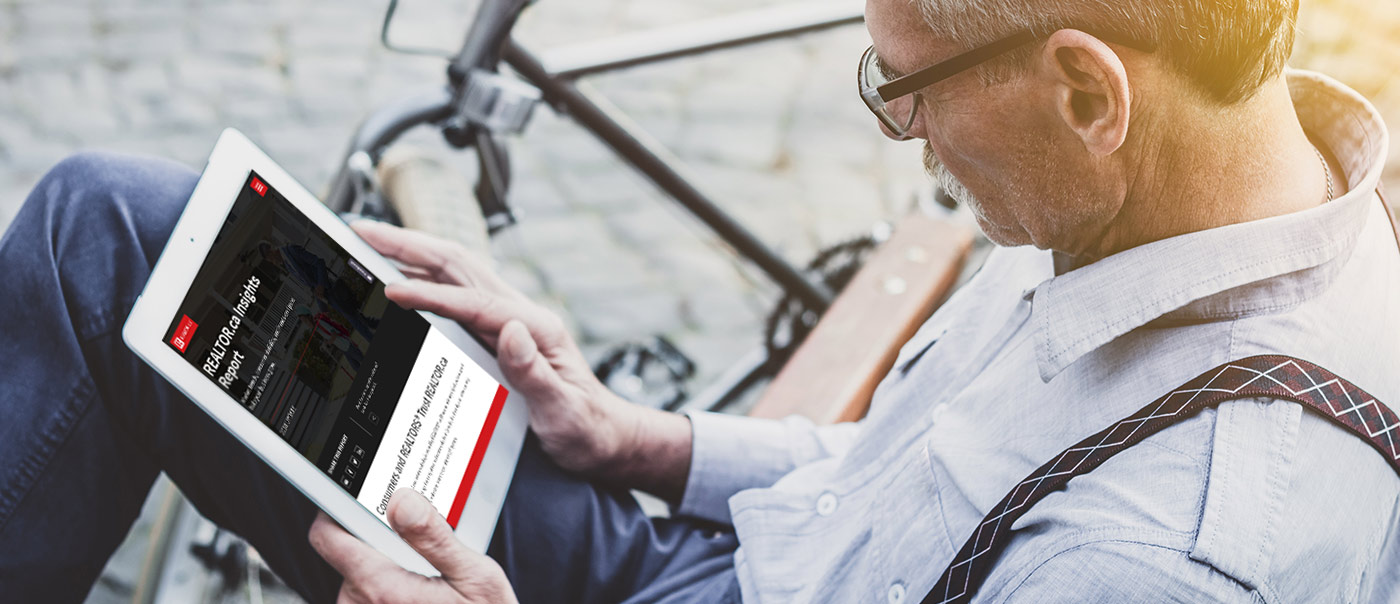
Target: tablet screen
{"x":301,"y":335}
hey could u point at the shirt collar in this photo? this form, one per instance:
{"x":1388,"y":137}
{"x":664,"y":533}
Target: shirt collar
{"x":1077,"y":312}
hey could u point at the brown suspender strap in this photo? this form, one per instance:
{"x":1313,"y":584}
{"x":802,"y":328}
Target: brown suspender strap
{"x":1268,"y":376}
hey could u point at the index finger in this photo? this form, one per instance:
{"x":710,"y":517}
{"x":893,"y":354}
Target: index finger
{"x":443,"y":260}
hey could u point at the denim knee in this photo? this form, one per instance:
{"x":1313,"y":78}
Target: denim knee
{"x":98,"y":221}
{"x":97,"y":194}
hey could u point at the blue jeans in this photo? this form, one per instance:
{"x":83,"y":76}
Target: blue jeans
{"x":85,"y":428}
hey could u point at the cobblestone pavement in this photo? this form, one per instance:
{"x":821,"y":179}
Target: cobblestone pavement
{"x":774,"y":131}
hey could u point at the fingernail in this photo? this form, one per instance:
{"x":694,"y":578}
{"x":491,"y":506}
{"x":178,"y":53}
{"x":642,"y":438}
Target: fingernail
{"x":416,"y":509}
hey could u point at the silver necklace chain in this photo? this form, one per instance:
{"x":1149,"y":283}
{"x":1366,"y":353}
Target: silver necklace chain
{"x":1327,"y":171}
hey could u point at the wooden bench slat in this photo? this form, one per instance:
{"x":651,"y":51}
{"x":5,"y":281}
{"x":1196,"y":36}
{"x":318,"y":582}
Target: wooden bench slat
{"x":834,"y":372}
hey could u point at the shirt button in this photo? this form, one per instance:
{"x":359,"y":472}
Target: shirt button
{"x":896,"y":594}
{"x":826,"y":504}
{"x":938,"y":411}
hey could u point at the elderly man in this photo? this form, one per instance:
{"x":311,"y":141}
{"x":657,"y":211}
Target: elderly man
{"x":1179,"y":202}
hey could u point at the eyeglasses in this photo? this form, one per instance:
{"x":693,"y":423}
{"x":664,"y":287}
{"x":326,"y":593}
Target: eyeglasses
{"x":878,"y":89}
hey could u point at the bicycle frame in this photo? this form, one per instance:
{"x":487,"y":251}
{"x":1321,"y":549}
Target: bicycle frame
{"x":630,"y":50}
{"x":556,"y":74}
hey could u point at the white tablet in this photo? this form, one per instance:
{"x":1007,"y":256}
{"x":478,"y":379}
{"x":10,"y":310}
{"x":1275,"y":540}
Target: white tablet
{"x":269,"y":312}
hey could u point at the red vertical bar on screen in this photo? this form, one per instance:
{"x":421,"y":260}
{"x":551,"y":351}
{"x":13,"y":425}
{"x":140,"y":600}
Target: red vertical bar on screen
{"x":455,"y":514}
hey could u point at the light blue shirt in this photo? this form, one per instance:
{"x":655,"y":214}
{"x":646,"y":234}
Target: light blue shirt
{"x":1256,"y":501}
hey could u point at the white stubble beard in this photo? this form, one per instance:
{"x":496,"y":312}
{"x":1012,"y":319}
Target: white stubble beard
{"x":960,"y":193}
{"x":948,"y":182}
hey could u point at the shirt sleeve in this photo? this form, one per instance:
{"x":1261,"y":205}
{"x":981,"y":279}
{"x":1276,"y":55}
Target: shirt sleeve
{"x":1117,"y":571}
{"x":731,"y":453}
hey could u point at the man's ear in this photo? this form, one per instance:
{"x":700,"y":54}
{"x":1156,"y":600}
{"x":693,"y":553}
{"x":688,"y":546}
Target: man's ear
{"x":1091,"y":89}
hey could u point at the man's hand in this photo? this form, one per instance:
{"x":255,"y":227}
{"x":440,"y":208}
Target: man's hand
{"x":582,"y":426}
{"x":467,"y":577}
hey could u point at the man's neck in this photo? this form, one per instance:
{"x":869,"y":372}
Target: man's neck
{"x":1212,"y":167}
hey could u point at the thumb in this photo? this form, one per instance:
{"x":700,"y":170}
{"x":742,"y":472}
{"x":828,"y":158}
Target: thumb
{"x":415,"y":520}
{"x":527,"y":369}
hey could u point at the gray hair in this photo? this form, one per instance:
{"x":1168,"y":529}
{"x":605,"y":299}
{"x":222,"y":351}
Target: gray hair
{"x":1228,"y":48}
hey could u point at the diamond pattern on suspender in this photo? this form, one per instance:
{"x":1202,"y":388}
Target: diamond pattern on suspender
{"x":1266,"y":376}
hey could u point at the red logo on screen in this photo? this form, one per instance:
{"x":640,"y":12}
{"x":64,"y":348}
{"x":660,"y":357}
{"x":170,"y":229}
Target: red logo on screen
{"x":181,"y":339}
{"x":259,"y":186}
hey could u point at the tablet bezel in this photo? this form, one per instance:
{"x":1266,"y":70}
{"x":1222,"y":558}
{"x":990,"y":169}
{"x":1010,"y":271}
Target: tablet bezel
{"x":185,"y":252}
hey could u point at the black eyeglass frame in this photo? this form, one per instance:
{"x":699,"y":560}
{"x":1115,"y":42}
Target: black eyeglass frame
{"x":876,"y":98}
